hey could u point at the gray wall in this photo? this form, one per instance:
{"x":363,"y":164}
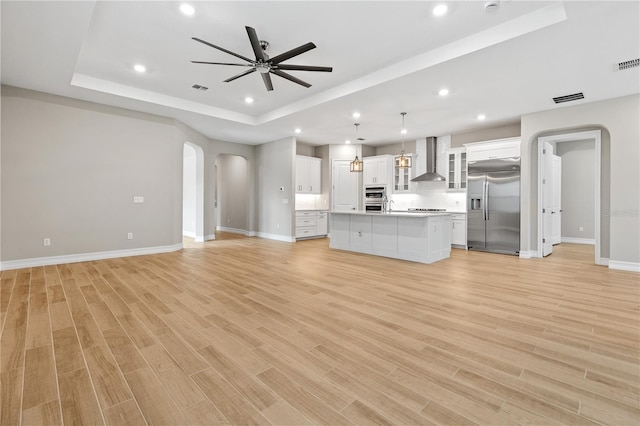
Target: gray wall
{"x":620,"y":225}
{"x":233,"y":190}
{"x":189,"y":188}
{"x":486,"y":134}
{"x":275,"y":163}
{"x":578,"y":188}
{"x":304,"y":149}
{"x":70,"y":170}
{"x":395,"y":148}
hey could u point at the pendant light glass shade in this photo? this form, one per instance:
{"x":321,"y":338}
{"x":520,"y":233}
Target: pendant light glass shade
{"x":403,"y":161}
{"x":356,"y":165}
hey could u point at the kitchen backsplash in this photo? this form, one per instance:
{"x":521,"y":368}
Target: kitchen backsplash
{"x":431,"y":195}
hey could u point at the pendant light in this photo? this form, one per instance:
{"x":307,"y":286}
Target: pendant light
{"x":356,"y":165}
{"x":403,"y":161}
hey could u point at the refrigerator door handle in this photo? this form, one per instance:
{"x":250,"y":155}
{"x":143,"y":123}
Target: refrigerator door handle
{"x":484,"y":200}
{"x":486,"y":203}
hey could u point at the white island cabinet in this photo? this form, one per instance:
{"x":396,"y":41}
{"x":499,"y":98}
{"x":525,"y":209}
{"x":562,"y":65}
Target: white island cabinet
{"x":418,"y":237}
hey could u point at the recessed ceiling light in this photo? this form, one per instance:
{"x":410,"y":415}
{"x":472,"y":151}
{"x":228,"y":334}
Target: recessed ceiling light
{"x":443,"y":92}
{"x":481,"y":116}
{"x":248,"y":100}
{"x":440,"y":9}
{"x":356,"y":115}
{"x":403,"y":131}
{"x":297,"y":130}
{"x":347,"y":141}
{"x":187,"y":9}
{"x":139,"y":68}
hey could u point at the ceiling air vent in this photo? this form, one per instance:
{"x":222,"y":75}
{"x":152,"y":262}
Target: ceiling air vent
{"x":199,"y":87}
{"x":628,"y":64}
{"x":568,"y":98}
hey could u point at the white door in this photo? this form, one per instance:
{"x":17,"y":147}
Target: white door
{"x":345,"y":186}
{"x":556,"y":209}
{"x":547,"y":198}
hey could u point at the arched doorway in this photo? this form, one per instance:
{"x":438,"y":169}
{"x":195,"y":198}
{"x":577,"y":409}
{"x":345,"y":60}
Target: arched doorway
{"x":193,"y":192}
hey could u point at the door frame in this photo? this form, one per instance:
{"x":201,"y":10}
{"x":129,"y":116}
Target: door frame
{"x":596,"y":136}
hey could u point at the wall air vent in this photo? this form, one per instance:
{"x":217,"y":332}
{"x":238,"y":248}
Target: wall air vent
{"x":628,"y":64}
{"x":199,"y":87}
{"x":568,"y":98}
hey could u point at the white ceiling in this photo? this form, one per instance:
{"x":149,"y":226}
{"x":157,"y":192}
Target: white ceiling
{"x":388,"y":57}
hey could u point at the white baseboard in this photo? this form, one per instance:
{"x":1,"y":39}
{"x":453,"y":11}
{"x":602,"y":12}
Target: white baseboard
{"x":571,"y":240}
{"x":624,"y":266}
{"x":209,"y":237}
{"x":252,"y":234}
{"x":188,"y":234}
{"x":604,"y":261}
{"x":530,"y":254}
{"x":276,"y":237}
{"x":85,"y":257}
{"x":232,"y":230}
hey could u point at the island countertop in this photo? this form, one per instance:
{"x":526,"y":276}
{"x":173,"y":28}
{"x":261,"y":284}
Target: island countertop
{"x":393,"y":213}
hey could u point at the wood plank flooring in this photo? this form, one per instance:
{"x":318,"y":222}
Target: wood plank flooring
{"x":242,"y":331}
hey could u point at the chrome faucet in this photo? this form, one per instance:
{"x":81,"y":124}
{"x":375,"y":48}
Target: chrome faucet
{"x":385,"y":201}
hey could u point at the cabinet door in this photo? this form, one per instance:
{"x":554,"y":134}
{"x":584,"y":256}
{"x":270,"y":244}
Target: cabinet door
{"x":458,"y":232}
{"x":321,"y":223}
{"x":451,"y":170}
{"x":302,"y":175}
{"x":314,"y":175}
{"x":462,"y":168}
{"x":369,"y":172}
{"x":383,"y":169}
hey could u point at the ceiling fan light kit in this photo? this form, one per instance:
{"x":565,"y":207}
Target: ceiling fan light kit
{"x":265,"y":65}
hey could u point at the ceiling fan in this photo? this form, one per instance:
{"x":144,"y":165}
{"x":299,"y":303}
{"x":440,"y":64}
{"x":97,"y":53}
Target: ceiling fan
{"x":265,"y":65}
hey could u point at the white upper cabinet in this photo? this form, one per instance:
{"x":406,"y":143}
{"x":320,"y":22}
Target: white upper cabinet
{"x":377,"y":170}
{"x":308,"y":177}
{"x":487,"y":150}
{"x":456,"y":173}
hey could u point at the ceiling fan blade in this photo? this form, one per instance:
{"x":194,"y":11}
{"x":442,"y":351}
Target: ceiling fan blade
{"x":290,"y":77}
{"x":242,"y":74}
{"x":303,"y":68}
{"x":291,"y":53}
{"x":221,"y":63}
{"x":266,"y":78}
{"x":255,"y":44}
{"x":224,"y":50}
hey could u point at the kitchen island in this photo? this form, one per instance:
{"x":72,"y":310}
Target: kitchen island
{"x":418,"y":237}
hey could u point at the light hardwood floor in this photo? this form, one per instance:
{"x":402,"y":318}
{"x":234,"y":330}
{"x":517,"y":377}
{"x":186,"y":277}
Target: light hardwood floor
{"x":251,"y":331}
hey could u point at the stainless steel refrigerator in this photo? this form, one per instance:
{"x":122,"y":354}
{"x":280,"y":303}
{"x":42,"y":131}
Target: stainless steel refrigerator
{"x":493,"y":205}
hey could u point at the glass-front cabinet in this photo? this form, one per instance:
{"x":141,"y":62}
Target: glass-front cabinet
{"x":456,"y":169}
{"x":402,"y":177}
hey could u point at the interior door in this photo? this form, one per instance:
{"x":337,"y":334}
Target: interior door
{"x":345,"y":184}
{"x":547,"y":199}
{"x":556,"y":209}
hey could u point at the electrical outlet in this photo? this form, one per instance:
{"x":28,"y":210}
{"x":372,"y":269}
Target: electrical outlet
{"x":130,"y":236}
{"x":581,"y":229}
{"x":138,"y":199}
{"x":46,"y":242}
{"x":277,"y":226}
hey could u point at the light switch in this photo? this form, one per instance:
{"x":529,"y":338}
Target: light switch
{"x":138,"y":199}
{"x":285,"y":201}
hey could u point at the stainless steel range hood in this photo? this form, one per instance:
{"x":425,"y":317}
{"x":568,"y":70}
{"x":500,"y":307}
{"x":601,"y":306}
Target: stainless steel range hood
{"x":431,"y":175}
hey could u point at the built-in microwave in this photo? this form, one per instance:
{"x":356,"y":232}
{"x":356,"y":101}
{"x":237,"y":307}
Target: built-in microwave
{"x":374,"y":194}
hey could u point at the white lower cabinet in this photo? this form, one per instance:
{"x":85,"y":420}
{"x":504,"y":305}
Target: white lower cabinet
{"x":418,"y":238}
{"x":311,"y":223}
{"x":459,"y":230}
